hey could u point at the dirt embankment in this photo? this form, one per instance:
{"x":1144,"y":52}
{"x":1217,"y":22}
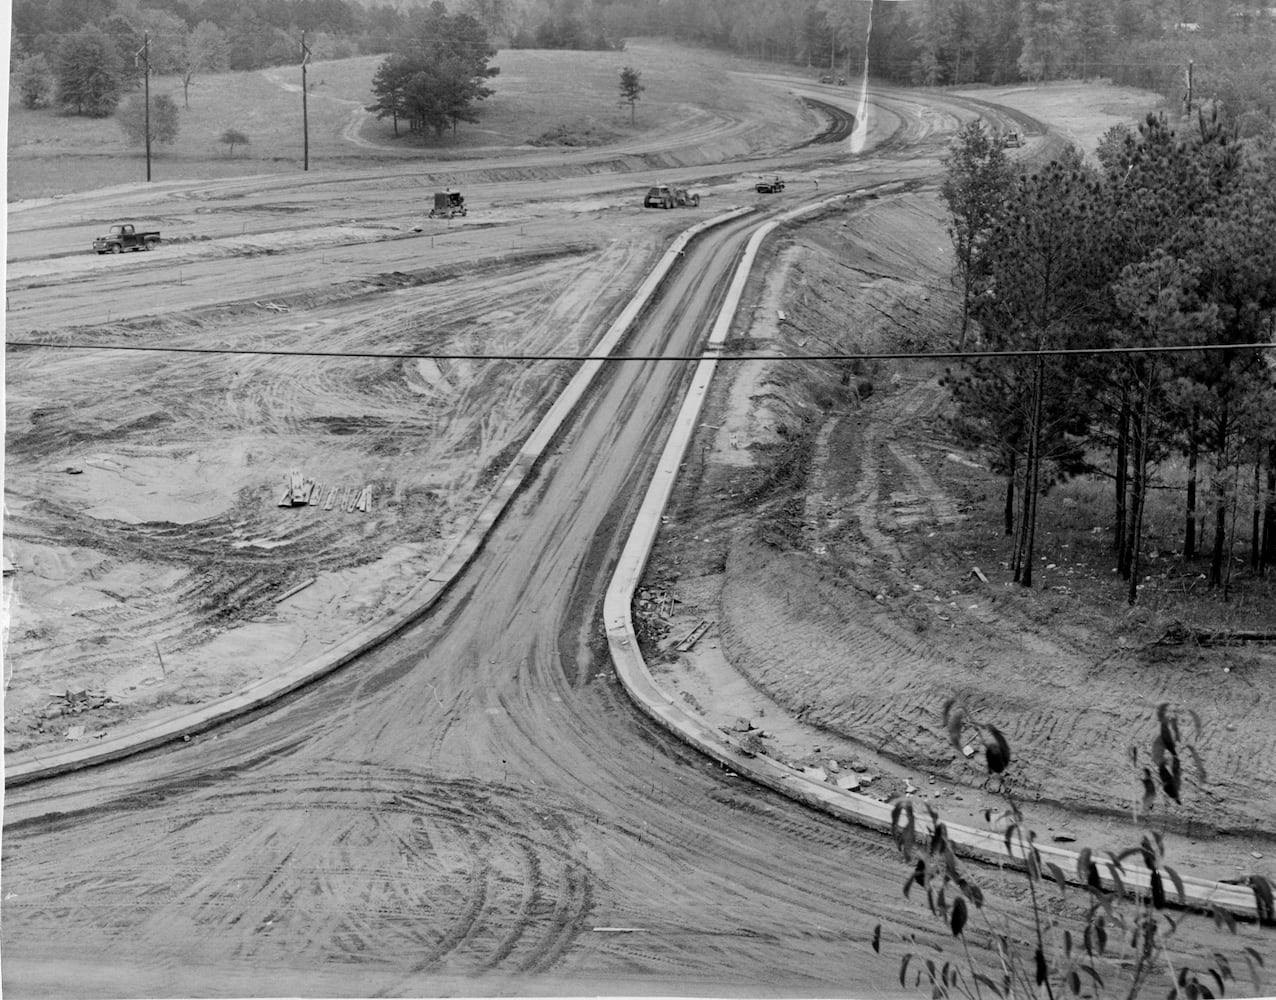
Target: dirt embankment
{"x":851,"y":554}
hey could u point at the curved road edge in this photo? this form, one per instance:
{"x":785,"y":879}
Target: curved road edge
{"x":32,"y":765}
{"x":988,"y":846}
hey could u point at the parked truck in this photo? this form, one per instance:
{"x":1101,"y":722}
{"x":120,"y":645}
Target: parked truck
{"x":126,"y":236}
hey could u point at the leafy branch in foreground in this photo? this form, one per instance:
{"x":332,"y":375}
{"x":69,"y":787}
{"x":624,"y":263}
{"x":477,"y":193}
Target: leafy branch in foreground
{"x":1115,"y":941}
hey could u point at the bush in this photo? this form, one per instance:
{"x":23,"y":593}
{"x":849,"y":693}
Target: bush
{"x":164,"y":119}
{"x":1125,"y":932}
{"x":33,"y":81}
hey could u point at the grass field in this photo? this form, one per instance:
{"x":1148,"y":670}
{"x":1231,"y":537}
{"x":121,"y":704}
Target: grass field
{"x":567,"y":97}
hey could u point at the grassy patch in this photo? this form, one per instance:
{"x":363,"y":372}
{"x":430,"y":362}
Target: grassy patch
{"x":541,"y":97}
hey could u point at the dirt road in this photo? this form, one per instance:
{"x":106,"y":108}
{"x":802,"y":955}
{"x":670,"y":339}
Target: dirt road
{"x":476,"y":809}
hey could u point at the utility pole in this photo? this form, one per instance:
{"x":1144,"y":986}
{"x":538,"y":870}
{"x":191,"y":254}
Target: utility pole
{"x":145,"y":53}
{"x":305,"y":117}
{"x":1189,"y":86}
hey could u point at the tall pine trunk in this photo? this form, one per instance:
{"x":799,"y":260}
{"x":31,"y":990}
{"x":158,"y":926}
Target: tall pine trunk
{"x":1122,"y":477}
{"x":1220,"y":499}
{"x":1009,"y":513}
{"x":1189,"y":523}
{"x":1134,"y":543}
{"x":1032,"y":475}
{"x":1267,"y":556}
{"x":1255,"y":534}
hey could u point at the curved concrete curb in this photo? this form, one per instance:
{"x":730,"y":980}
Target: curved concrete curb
{"x":28,"y":766}
{"x":984,"y":845}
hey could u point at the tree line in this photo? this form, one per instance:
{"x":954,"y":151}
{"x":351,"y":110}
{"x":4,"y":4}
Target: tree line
{"x":1142,"y":43}
{"x":1165,"y":243}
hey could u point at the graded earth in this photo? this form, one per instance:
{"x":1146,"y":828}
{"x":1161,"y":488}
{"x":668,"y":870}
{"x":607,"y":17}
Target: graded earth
{"x":502,"y":816}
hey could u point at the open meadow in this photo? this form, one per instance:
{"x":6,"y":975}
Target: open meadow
{"x":541,"y":100}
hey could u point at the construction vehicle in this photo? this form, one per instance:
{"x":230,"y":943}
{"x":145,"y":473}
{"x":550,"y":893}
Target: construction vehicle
{"x":769,"y":185}
{"x":1011,"y":138}
{"x":126,"y":236}
{"x":447,"y":205}
{"x":668,"y":196}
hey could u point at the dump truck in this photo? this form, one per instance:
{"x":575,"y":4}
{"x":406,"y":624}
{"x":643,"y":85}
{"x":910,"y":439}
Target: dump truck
{"x":447,"y":205}
{"x":670,"y":196}
{"x":126,"y":236}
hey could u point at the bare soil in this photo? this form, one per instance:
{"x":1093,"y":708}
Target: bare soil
{"x":827,"y":525}
{"x":849,"y":558}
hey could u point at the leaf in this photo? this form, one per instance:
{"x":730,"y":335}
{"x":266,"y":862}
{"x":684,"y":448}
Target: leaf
{"x":1196,"y":721}
{"x":877,"y":939}
{"x":1089,"y":971}
{"x":959,"y":916}
{"x":996,"y":750}
{"x":1250,"y":956}
{"x":994,"y":987}
{"x":1170,"y":776}
{"x":1198,"y":764}
{"x":954,"y":717}
{"x":1057,"y":874}
{"x":1010,"y":832}
{"x":1169,"y":726}
{"x":1158,"y":890}
{"x":1178,"y":884}
{"x":903,"y":967}
{"x":1149,"y":790}
{"x":1074,"y":982}
{"x":1263,"y":901}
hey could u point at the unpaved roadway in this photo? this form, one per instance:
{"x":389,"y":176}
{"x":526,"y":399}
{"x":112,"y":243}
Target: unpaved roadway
{"x":476,"y":807}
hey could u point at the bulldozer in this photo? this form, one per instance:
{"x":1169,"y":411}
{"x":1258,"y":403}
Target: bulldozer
{"x":667,"y":196}
{"x":447,"y":205}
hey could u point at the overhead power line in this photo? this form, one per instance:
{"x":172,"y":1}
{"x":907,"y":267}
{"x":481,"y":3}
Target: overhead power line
{"x":720,"y":356}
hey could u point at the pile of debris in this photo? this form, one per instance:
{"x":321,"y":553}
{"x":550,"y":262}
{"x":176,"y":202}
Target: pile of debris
{"x":300,"y":491}
{"x":73,"y":702}
{"x":651,"y":611}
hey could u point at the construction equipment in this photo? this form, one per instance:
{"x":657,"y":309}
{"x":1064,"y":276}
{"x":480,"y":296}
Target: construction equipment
{"x":769,"y":185}
{"x":667,"y":196}
{"x":447,"y":205}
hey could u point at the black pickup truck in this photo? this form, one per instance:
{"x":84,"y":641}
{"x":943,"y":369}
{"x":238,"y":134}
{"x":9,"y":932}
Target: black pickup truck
{"x":125,"y":236}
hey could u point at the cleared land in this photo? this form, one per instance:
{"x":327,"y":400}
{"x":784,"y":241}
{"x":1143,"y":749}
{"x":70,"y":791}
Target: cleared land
{"x":155,"y":569}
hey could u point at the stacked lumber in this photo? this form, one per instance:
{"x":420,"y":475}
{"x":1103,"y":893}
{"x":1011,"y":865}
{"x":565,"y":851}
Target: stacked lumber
{"x":300,"y":491}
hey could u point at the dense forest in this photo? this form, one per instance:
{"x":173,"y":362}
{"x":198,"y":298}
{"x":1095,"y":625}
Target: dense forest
{"x":1230,"y":47}
{"x":1162,"y":248}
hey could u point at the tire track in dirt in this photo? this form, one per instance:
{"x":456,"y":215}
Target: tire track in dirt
{"x":497,"y":869}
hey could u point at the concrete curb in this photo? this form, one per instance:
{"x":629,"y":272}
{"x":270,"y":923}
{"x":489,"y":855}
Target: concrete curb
{"x":983,"y":845}
{"x":29,"y":766}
